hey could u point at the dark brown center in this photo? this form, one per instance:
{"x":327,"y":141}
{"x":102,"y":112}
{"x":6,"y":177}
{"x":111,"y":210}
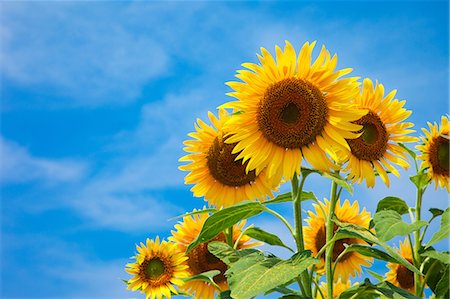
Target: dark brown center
{"x":292,"y":113}
{"x":372,"y":143}
{"x":405,"y":277}
{"x":201,"y":260}
{"x":339,"y":245}
{"x":223,"y":167}
{"x":439,"y":155}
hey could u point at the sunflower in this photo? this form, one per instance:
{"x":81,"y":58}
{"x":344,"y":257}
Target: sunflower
{"x":435,"y":155}
{"x":214,"y":170}
{"x":338,"y":288}
{"x":399,"y":275}
{"x":291,"y":109}
{"x":315,"y":237}
{"x":200,"y":259}
{"x":382,"y":129}
{"x":158,"y":267}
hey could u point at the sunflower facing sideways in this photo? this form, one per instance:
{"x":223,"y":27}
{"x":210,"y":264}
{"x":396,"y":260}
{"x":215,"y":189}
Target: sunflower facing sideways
{"x":315,"y":237}
{"x":200,"y":259}
{"x":214,"y":170}
{"x":435,"y":153}
{"x":400,"y":275}
{"x":292,"y":108}
{"x":158,"y":267}
{"x":383,"y":128}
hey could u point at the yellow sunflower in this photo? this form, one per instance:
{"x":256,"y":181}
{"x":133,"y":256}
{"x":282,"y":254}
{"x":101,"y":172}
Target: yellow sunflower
{"x":383,"y":128}
{"x":292,"y":109}
{"x":338,"y":288}
{"x":400,"y":275}
{"x":435,"y":155}
{"x":158,"y":267}
{"x":315,"y":237}
{"x":214,"y":170}
{"x":200,"y":259}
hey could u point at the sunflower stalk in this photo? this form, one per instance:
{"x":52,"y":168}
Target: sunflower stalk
{"x":329,"y":237}
{"x":417,"y":243}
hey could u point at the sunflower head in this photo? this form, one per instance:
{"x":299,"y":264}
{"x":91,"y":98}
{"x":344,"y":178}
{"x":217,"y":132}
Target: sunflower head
{"x":435,"y":153}
{"x":399,"y":275}
{"x":200,"y":259}
{"x":216,"y":172}
{"x":338,"y":287}
{"x":158,"y":268}
{"x":293,"y":108}
{"x":315,"y":237}
{"x":383,"y":127}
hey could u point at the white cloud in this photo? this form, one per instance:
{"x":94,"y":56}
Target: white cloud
{"x":18,"y":165}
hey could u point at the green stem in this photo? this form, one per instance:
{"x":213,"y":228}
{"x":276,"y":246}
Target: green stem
{"x":289,"y":227}
{"x":424,"y":282}
{"x":417,"y":244}
{"x":329,"y":237}
{"x":229,"y":236}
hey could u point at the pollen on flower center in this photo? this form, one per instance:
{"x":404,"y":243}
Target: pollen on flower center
{"x":292,"y":113}
{"x":201,"y":260}
{"x":405,"y":277}
{"x":372,"y":143}
{"x":154,"y":268}
{"x":223,"y":167}
{"x":439,"y":155}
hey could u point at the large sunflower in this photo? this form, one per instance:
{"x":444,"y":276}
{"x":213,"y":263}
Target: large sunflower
{"x":399,"y":275}
{"x":214,"y":170}
{"x":315,"y":237}
{"x":200,"y":259}
{"x":383,"y":128}
{"x":435,"y":154}
{"x":338,"y":288}
{"x":292,"y":109}
{"x":158,"y":267}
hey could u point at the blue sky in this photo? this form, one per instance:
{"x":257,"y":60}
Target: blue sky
{"x":97,"y":97}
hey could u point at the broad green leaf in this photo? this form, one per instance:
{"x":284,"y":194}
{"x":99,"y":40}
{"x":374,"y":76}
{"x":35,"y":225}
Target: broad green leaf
{"x":442,"y":287}
{"x":382,"y":289}
{"x":354,"y":231}
{"x":443,"y":257}
{"x":410,"y":151}
{"x":287,"y":197}
{"x":227,"y":254}
{"x":444,"y":230}
{"x":389,"y":224}
{"x":223,"y":219}
{"x":338,"y":180}
{"x":434,"y":270}
{"x":420,"y":180}
{"x":205,"y":276}
{"x":393,"y":203}
{"x":194,"y":213}
{"x":251,"y":276}
{"x":370,"y":251}
{"x":266,"y":237}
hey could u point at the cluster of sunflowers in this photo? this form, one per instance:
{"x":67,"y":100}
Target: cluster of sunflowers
{"x":295,"y":117}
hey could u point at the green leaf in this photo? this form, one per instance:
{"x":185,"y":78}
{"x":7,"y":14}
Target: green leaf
{"x":376,"y":275}
{"x":253,"y":275}
{"x":194,"y":213}
{"x":370,"y":251}
{"x":442,"y":287}
{"x":266,"y":237}
{"x":225,"y":295}
{"x":227,"y":254}
{"x":292,"y":296}
{"x":420,"y":180}
{"x":223,"y":219}
{"x":436,"y":212}
{"x":410,"y":151}
{"x":444,"y":230}
{"x":205,"y":276}
{"x":443,"y":257}
{"x":354,"y":231}
{"x":389,"y":224}
{"x":338,"y":180}
{"x":434,"y":270}
{"x":393,"y":203}
{"x":370,"y":291}
{"x":287,"y":197}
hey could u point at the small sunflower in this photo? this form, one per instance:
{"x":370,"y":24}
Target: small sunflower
{"x":399,"y":275}
{"x":200,"y":259}
{"x":315,"y":237}
{"x":158,"y":267}
{"x":435,"y":154}
{"x":383,"y":128}
{"x":292,"y":109}
{"x":214,"y":170}
{"x":338,"y":288}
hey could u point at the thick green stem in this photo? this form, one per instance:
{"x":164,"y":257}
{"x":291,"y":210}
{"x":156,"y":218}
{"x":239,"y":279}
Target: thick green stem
{"x":417,"y":243}
{"x":329,"y":237}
